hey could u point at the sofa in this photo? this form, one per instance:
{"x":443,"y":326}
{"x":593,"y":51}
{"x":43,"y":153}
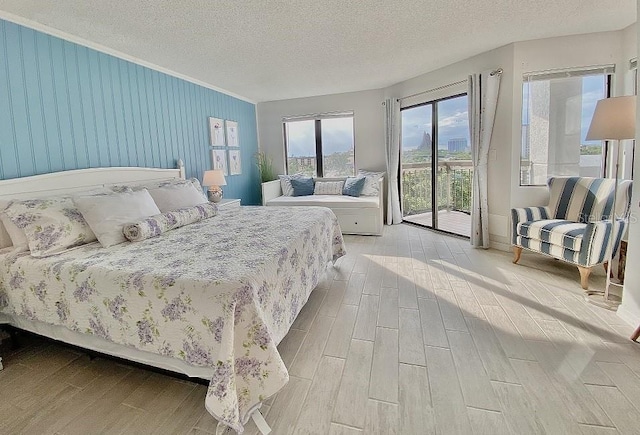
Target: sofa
{"x":576,"y":224}
{"x":361,"y":215}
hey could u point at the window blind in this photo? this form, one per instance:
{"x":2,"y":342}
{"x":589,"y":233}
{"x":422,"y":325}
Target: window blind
{"x":313,"y":116}
{"x":569,"y":72}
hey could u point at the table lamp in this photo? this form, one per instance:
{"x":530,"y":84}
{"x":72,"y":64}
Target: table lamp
{"x":214,"y":179}
{"x":614,"y":119}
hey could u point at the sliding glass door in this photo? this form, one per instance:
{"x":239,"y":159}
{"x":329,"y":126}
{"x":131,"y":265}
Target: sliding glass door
{"x":436,"y":165}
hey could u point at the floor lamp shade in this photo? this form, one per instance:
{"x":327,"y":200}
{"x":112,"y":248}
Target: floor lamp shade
{"x":614,"y":119}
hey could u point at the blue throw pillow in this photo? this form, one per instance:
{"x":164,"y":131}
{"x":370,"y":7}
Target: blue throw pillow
{"x":302,"y":186}
{"x":353,"y":186}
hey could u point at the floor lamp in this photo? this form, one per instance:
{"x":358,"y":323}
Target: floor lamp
{"x":614,"y":119}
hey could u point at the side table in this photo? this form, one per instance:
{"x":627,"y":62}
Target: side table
{"x":228,"y":203}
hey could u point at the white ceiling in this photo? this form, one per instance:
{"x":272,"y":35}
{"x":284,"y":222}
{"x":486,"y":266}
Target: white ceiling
{"x":278,"y":49}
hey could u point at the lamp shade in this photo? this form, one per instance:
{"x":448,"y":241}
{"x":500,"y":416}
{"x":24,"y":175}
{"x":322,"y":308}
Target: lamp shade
{"x":614,"y":119}
{"x":214,"y":177}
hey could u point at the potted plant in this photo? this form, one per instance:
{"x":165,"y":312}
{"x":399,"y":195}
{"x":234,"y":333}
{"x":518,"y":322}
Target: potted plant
{"x":265,"y":166}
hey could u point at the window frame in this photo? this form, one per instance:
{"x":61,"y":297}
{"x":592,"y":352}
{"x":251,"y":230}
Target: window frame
{"x":434,"y":152}
{"x":607,"y":70}
{"x":318,"y":138}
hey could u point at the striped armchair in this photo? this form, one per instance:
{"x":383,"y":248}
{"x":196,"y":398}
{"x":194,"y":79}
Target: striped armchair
{"x":576,"y":225}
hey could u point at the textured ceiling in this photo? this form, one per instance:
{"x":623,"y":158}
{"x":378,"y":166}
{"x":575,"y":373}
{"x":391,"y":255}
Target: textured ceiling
{"x":274,"y":49}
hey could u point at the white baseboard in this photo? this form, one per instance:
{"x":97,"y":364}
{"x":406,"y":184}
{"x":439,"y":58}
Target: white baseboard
{"x":500,"y":246}
{"x":629,"y":315}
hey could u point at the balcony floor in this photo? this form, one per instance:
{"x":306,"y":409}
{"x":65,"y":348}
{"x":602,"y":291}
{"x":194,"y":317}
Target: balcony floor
{"x":451,"y":221}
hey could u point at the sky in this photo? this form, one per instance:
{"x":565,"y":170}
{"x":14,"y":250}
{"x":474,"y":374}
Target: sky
{"x":337,"y":136}
{"x":453,"y":122}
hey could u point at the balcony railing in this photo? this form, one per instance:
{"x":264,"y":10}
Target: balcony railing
{"x":453,"y":185}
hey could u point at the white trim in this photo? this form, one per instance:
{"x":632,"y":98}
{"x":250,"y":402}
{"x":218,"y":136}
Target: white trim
{"x":16,"y":19}
{"x":629,"y":316}
{"x":499,"y":246}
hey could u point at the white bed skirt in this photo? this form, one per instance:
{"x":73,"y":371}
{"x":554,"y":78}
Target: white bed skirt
{"x":101,"y":345}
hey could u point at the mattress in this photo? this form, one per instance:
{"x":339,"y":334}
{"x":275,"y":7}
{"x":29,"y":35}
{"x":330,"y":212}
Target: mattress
{"x":219,"y":294}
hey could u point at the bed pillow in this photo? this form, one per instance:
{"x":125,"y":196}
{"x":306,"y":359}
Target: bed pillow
{"x":353,"y":186}
{"x":155,"y":225}
{"x":51,"y":225}
{"x":302,"y":186}
{"x":285,"y":183}
{"x":10,"y":232}
{"x":107,"y":214}
{"x":371,"y":184}
{"x":328,"y":188}
{"x":173,"y":197}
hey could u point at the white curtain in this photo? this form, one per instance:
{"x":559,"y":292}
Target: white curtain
{"x":483,"y":100}
{"x":392,"y":144}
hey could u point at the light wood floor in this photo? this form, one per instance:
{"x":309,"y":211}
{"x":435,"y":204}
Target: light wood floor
{"x":414,"y":333}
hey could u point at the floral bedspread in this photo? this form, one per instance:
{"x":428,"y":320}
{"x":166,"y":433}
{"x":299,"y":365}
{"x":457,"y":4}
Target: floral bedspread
{"x":220,"y":293}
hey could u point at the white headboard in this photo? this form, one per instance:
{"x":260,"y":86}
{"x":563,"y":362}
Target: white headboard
{"x":78,"y":180}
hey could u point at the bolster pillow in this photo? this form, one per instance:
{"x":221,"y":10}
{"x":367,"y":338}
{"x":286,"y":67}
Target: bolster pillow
{"x":161,"y":223}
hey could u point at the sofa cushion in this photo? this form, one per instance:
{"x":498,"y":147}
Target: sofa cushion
{"x":558,"y":232}
{"x":371,"y":187}
{"x":302,"y":186}
{"x":285,"y":183}
{"x":549,"y":249}
{"x":581,"y":199}
{"x":328,"y":188}
{"x":331,"y":201}
{"x":353,"y":186}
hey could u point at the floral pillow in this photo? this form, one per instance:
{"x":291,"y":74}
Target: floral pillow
{"x":371,"y":187}
{"x":155,"y":225}
{"x":51,"y":225}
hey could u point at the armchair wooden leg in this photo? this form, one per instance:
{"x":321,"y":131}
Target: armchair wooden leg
{"x":517,"y":252}
{"x":636,"y":334}
{"x":584,"y":276}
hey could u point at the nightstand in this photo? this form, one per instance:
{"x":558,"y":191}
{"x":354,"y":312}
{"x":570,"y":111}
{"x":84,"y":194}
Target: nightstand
{"x":228,"y":203}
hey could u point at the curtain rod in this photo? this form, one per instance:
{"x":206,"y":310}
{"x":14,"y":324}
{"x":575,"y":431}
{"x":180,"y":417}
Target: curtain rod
{"x":459,"y":82}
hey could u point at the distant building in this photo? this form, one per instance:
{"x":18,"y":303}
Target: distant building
{"x":457,"y":145}
{"x":426,"y":142}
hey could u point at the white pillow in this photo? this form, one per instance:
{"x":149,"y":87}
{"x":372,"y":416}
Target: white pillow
{"x":371,"y":182}
{"x":51,"y":225}
{"x":285,"y":183}
{"x":17,"y":235}
{"x":107,"y":214}
{"x":328,"y":188}
{"x":177,"y":196}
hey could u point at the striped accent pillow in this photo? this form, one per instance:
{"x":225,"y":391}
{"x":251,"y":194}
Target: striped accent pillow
{"x":285,"y":183}
{"x":328,"y":188}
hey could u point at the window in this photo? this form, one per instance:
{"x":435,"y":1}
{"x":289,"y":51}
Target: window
{"x":557,"y":108}
{"x":320,"y":145}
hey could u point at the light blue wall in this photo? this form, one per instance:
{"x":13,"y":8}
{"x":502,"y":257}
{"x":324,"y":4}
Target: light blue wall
{"x":64,"y":106}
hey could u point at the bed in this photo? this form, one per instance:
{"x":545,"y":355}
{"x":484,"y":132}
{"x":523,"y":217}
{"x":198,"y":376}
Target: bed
{"x":210,"y":300}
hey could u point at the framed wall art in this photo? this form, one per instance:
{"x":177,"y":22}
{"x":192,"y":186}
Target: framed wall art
{"x":235,"y":163}
{"x":219,"y":160}
{"x":216,"y":132}
{"x":232,"y":133}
